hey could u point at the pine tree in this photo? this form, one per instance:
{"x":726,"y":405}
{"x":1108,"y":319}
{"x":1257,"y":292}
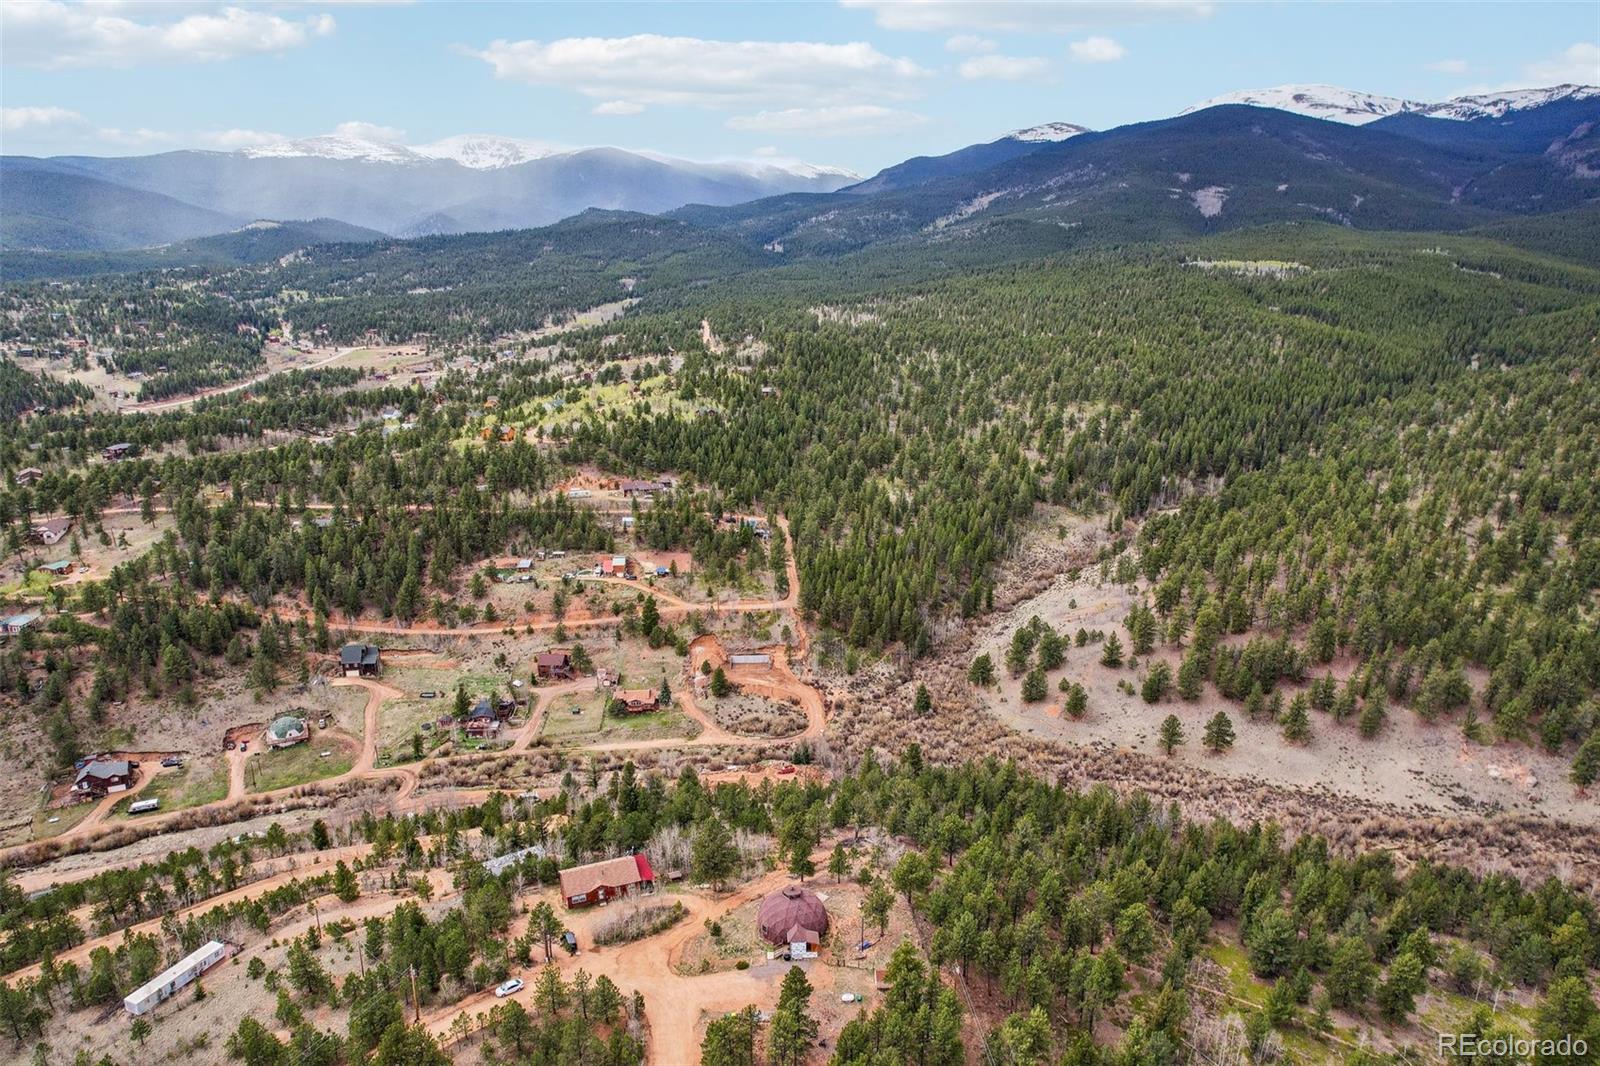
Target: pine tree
{"x":1586,"y":763}
{"x":1219,"y":733}
{"x":1296,"y":721}
{"x":1157,"y":682}
{"x":1111,"y":652}
{"x":981,"y":673}
{"x":1171,"y":734}
{"x":713,"y":856}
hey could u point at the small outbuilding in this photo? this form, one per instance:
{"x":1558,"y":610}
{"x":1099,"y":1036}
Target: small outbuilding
{"x":793,"y":916}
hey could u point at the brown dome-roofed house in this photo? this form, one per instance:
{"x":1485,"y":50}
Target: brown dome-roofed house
{"x":793,"y":916}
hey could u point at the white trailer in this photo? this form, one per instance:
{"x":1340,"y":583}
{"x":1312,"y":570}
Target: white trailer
{"x":167,"y":983}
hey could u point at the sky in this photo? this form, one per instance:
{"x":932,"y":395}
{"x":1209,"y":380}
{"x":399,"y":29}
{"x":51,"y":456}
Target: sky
{"x":854,"y":83}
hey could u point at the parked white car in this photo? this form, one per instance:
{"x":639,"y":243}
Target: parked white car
{"x":508,"y":988}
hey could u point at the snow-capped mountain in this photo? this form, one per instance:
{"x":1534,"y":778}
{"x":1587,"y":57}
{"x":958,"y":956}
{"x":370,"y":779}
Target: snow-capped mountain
{"x":334,"y":146}
{"x":1498,"y":105}
{"x":1328,"y":102}
{"x":477,"y":151}
{"x":485,"y":151}
{"x":1049,"y":132}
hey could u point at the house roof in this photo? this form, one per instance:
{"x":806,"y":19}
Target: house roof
{"x":636,"y":695}
{"x":286,"y":726}
{"x":358,"y":654}
{"x":18,"y":621}
{"x":59,"y":564}
{"x":554,"y":658}
{"x":609,"y":873}
{"x":102,"y":769}
{"x":53,"y":525}
{"x":482,"y":709}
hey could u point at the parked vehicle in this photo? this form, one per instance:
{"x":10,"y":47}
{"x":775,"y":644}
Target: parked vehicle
{"x":508,"y":988}
{"x":569,"y":940}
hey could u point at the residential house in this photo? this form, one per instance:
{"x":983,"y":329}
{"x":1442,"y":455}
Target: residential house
{"x":116,"y":452}
{"x":168,"y":982}
{"x":51,"y":531}
{"x":286,"y":732}
{"x":11,"y":625}
{"x":361,"y":660}
{"x":639,"y":700}
{"x":482,"y":722}
{"x":597,"y":882}
{"x":29,"y":475}
{"x":59,"y":568}
{"x":613,"y":566}
{"x":555,"y":663}
{"x":101,"y":777}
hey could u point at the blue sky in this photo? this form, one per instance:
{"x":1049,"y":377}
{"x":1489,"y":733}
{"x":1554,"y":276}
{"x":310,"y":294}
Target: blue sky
{"x":857,"y":83}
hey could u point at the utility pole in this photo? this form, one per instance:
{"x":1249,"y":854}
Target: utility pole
{"x":416,"y":1003}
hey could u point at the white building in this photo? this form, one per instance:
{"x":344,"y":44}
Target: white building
{"x":164,"y":985}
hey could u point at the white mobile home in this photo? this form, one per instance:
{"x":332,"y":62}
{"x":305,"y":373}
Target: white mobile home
{"x":165,"y":985}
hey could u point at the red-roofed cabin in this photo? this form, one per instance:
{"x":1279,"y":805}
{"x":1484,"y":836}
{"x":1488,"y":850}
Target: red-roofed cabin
{"x":600,"y":881}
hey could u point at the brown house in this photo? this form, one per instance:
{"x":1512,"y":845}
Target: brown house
{"x":116,"y":452}
{"x":555,"y":664}
{"x":28,"y":475}
{"x":638,"y":700}
{"x":101,"y":777}
{"x":600,"y":881}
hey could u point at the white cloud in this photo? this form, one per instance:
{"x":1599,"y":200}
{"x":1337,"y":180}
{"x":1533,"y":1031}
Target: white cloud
{"x":1004,"y":68}
{"x":228,"y":140}
{"x":845,"y":120}
{"x":652,"y":69}
{"x":767,"y":151}
{"x":1448,"y":66}
{"x":618,"y":107}
{"x":1024,"y":16}
{"x":16,"y":119}
{"x":137,"y":138}
{"x":1096,"y":50}
{"x":369,"y":131}
{"x":1579,"y":64}
{"x":969,"y":42}
{"x":54,"y":35}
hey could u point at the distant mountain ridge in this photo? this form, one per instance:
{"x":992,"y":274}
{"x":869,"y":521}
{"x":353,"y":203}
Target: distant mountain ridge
{"x":466,"y":183}
{"x":1291,"y":153}
{"x":1355,"y":108}
{"x":1215,"y":168}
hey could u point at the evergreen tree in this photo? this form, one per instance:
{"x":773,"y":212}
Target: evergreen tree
{"x":1171,"y":734}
